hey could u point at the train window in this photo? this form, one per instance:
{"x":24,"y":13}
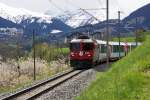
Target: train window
{"x":75,"y":46}
{"x":133,"y":47}
{"x":115,"y":48}
{"x":87,"y":46}
{"x":122,"y":48}
{"x":103,"y":48}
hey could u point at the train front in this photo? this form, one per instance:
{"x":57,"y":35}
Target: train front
{"x":81,"y":53}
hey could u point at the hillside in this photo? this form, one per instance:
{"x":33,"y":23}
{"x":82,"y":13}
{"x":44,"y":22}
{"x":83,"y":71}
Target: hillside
{"x":143,"y":18}
{"x":128,"y":79}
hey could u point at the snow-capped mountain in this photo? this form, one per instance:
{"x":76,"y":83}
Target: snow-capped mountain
{"x":16,"y":15}
{"x":28,"y":20}
{"x":8,"y":24}
{"x":79,"y":18}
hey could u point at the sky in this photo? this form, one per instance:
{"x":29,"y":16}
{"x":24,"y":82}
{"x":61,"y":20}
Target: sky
{"x":59,"y":6}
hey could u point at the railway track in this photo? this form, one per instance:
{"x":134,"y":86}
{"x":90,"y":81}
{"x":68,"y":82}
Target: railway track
{"x":38,"y":89}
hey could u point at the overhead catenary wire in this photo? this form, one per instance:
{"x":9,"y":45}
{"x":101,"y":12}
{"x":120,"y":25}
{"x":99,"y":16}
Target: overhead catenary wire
{"x":85,"y":9}
{"x":119,"y":7}
{"x":62,"y":10}
{"x":92,"y":17}
{"x":102,"y":6}
{"x":75,"y":6}
{"x":56,"y":6}
{"x":89,"y":14}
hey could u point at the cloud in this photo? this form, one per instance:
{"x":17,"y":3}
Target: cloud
{"x":127,"y":6}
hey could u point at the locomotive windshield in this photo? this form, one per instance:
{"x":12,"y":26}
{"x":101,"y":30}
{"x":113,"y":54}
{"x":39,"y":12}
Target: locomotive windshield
{"x":75,"y":46}
{"x":87,"y":46}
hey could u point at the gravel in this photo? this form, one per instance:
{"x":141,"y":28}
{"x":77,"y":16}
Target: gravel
{"x":73,"y":87}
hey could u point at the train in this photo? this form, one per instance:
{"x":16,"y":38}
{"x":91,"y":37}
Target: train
{"x":86,"y":52}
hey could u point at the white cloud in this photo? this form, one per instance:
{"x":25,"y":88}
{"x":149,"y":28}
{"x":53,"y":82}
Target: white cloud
{"x":127,"y":6}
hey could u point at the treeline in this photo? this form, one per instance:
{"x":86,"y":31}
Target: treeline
{"x":141,"y":36}
{"x":50,"y":52}
{"x":43,"y":51}
{"x":9,"y":51}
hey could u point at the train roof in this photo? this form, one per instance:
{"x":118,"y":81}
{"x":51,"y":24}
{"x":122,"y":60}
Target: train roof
{"x":133,"y":43}
{"x":83,"y":40}
{"x":124,"y":43}
{"x":103,"y":42}
{"x":116,"y":43}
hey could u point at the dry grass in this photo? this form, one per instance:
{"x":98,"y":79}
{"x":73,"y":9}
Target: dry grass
{"x":11,"y":76}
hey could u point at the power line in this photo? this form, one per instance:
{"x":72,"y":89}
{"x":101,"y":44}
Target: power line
{"x":101,"y":5}
{"x":90,"y":14}
{"x":84,"y":10}
{"x":76,"y":6}
{"x":120,"y":8}
{"x":56,"y":6}
{"x":93,"y":9}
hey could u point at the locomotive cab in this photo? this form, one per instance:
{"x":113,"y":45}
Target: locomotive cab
{"x":82,"y":52}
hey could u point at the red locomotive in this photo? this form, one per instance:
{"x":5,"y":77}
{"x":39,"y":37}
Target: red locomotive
{"x":83,"y":52}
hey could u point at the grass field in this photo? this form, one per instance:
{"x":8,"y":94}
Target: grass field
{"x":128,"y":79}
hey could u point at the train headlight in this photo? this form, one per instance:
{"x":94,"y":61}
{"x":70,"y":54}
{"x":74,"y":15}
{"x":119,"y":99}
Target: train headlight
{"x":72,"y":54}
{"x":81,"y":53}
{"x":89,"y":55}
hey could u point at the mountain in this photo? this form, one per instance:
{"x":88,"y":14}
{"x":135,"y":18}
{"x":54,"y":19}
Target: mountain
{"x":4,"y":23}
{"x":43,"y":27}
{"x":143,"y":18}
{"x":78,"y":18}
{"x":31,"y":20}
{"x":16,"y":15}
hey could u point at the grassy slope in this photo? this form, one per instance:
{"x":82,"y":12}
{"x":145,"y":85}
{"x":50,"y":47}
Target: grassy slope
{"x":127,"y":39}
{"x":128,"y":79}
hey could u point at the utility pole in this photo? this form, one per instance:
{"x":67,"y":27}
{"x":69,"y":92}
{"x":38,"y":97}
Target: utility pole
{"x":119,"y":32}
{"x":136,"y":27}
{"x":18,"y":53}
{"x":107,"y":30}
{"x":34,"y":73}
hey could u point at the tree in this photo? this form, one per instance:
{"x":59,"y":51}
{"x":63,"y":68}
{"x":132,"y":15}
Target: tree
{"x":141,"y":35}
